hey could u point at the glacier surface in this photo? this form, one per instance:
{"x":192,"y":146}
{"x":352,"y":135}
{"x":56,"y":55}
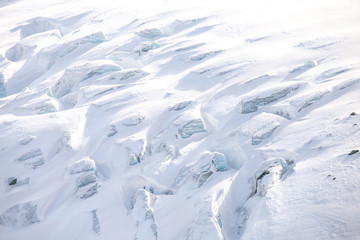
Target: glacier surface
{"x":179,"y":120}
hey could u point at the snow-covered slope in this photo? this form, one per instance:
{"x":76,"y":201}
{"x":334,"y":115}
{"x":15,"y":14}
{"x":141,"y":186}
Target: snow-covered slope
{"x":179,"y":119}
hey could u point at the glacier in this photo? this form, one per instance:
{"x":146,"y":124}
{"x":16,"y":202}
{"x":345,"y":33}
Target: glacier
{"x":172,"y":120}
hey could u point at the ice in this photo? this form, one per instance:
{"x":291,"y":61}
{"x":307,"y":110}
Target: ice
{"x":182,"y":177}
{"x":2,"y":86}
{"x":260,"y":127}
{"x":65,"y":142}
{"x":150,"y":33}
{"x":202,"y":56}
{"x":347,"y":84}
{"x":233,"y":151}
{"x":133,"y":120}
{"x":170,"y":150}
{"x":16,"y":52}
{"x":256,"y":39}
{"x":70,"y":48}
{"x":260,"y":187}
{"x":204,"y":227}
{"x":126,"y":59}
{"x":66,"y":83}
{"x":262,"y":134}
{"x":95,"y":38}
{"x":32,"y":154}
{"x":38,"y":163}
{"x":192,"y":127}
{"x":20,"y":215}
{"x":219,"y":162}
{"x":307,"y":65}
{"x":253,"y":104}
{"x":93,"y":91}
{"x":218,"y":218}
{"x":319,"y":43}
{"x":203,"y":177}
{"x":143,"y":183}
{"x":47,"y":107}
{"x":70,"y":100}
{"x":209,"y":163}
{"x":284,"y":114}
{"x":34,"y":158}
{"x":29,"y":46}
{"x":88,"y":191}
{"x":15,"y":182}
{"x":132,"y":74}
{"x":98,"y":37}
{"x":201,"y":170}
{"x":135,"y":149}
{"x":86,"y":180}
{"x":100,"y":92}
{"x":112,"y":130}
{"x":181,"y":106}
{"x":36,"y":25}
{"x":42,"y":105}
{"x":331,"y":73}
{"x":273,"y":171}
{"x":101,"y":70}
{"x":312,"y":101}
{"x":301,"y":69}
{"x":133,"y":159}
{"x":128,"y":74}
{"x":73,"y":76}
{"x":95,"y":220}
{"x":129,"y":120}
{"x":84,"y":165}
{"x":242,"y":216}
{"x":190,"y":47}
{"x":146,"y":47}
{"x":146,"y":226}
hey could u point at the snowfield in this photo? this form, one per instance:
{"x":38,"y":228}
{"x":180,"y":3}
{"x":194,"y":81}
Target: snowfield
{"x":180,"y":120}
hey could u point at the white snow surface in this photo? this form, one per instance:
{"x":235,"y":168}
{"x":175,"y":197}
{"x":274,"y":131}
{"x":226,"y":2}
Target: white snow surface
{"x":171,"y":120}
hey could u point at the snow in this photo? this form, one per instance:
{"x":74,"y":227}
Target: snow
{"x":173,"y":119}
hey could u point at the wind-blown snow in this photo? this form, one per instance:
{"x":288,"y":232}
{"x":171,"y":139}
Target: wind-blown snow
{"x":179,"y":120}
